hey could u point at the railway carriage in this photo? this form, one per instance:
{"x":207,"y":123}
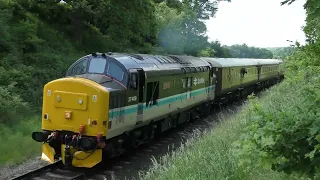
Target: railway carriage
{"x":238,"y":77}
{"x":269,"y":72}
{"x":235,"y":77}
{"x":109,"y":103}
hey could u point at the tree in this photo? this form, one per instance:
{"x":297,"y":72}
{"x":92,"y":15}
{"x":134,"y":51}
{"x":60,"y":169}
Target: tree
{"x":244,"y":51}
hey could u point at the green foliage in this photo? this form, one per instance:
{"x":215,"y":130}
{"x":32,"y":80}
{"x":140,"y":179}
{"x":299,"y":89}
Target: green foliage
{"x":31,"y":55}
{"x":303,"y":57}
{"x":244,"y":51}
{"x":220,"y":51}
{"x":283,"y":132}
{"x":282,"y":52}
{"x":11,"y":105}
{"x":215,"y":49}
{"x":17,"y":144}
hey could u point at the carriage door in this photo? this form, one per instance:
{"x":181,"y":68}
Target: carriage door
{"x":259,"y":72}
{"x":141,"y":82}
{"x":137,"y":91}
{"x":242,"y":72}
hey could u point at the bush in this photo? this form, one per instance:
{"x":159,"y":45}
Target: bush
{"x":11,"y":105}
{"x":284,"y":132}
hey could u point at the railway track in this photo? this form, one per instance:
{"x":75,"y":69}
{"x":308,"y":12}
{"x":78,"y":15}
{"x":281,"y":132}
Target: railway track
{"x":127,"y":165}
{"x":53,"y":171}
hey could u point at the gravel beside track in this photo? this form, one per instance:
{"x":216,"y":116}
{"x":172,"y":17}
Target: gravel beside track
{"x":12,"y":171}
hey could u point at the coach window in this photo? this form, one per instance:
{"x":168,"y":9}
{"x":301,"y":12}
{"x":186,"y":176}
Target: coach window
{"x":79,"y":68}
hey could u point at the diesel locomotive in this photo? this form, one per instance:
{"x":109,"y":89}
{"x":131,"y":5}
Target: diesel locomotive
{"x":109,"y":103}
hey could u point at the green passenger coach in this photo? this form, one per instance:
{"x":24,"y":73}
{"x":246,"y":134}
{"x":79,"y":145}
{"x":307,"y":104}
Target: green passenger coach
{"x":239,"y":77}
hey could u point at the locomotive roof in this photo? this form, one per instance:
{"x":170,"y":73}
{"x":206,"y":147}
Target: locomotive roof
{"x":156,"y":62}
{"x":239,"y":62}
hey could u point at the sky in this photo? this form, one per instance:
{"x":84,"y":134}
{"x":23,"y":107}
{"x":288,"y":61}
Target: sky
{"x":259,"y":23}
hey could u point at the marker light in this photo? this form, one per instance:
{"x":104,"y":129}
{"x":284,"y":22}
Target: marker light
{"x":99,"y":136}
{"x":81,"y":129}
{"x":101,"y":144}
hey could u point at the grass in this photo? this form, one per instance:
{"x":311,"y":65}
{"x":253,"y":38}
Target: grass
{"x":210,"y":155}
{"x":16,"y":142}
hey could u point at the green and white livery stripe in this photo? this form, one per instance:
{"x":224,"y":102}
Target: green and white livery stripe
{"x":128,"y":110}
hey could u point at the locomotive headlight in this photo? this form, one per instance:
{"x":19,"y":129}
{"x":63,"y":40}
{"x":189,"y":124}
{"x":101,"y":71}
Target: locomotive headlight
{"x":80,"y":101}
{"x":40,"y":136}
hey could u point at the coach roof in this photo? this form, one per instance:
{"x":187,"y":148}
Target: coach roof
{"x":239,"y":62}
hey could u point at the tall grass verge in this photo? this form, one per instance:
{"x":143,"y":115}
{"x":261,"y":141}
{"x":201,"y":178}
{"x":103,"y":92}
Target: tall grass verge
{"x":212,"y":156}
{"x":16,"y":142}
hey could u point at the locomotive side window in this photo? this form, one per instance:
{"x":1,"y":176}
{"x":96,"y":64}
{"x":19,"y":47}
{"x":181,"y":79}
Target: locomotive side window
{"x":97,"y":65}
{"x":189,"y":81}
{"x":115,"y":71}
{"x":193,"y":69}
{"x":188,"y":70}
{"x":152,"y":93}
{"x":133,"y":81}
{"x":185,"y":82}
{"x":79,"y":68}
{"x":111,"y":105}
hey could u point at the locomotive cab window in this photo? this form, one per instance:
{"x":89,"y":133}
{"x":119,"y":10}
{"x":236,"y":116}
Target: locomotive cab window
{"x":79,"y":68}
{"x":115,"y":71}
{"x":97,"y":65}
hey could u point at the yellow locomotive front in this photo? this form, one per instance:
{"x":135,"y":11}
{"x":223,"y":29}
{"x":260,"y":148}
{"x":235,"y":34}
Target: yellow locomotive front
{"x":74,"y":121}
{"x":75,"y":112}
